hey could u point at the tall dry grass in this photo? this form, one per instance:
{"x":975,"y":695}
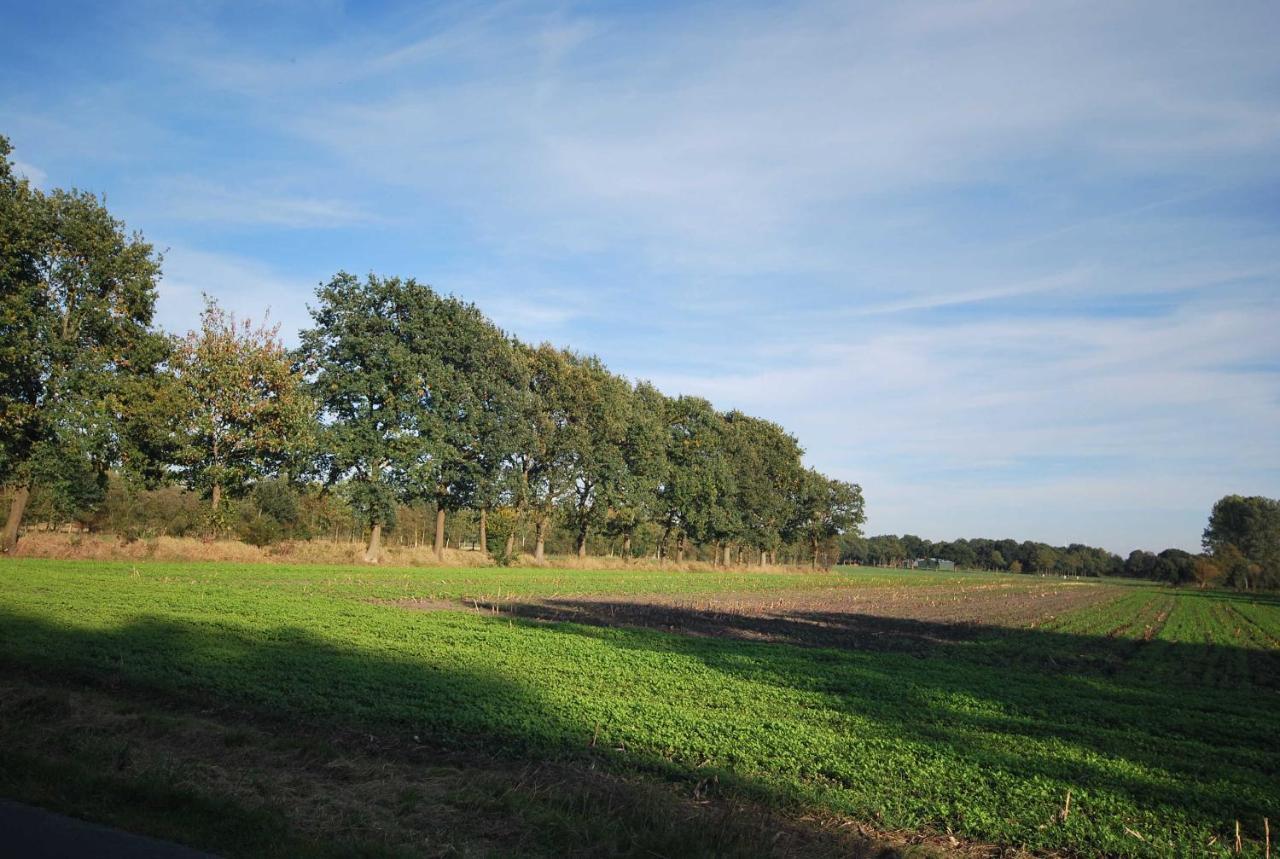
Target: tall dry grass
{"x":107,"y":547}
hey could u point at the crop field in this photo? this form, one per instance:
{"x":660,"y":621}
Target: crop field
{"x":251,"y":710}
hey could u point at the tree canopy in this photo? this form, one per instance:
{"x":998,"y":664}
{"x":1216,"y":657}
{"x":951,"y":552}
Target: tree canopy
{"x":77,"y":292}
{"x":363,"y":358}
{"x":1243,"y":535}
{"x":242,"y":413}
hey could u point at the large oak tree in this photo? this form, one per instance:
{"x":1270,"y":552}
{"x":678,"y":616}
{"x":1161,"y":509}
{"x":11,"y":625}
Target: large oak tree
{"x":371,"y":383}
{"x":77,"y":293}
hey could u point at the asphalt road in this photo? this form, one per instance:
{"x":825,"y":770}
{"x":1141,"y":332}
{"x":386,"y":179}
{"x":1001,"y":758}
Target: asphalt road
{"x":33,"y":833}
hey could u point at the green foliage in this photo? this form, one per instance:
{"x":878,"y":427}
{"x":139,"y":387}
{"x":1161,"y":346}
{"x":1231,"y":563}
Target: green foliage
{"x":501,"y":524}
{"x":598,"y":406}
{"x":695,"y":495}
{"x":475,"y":385}
{"x":278,"y":500}
{"x":824,"y":509}
{"x":371,"y":383}
{"x":135,"y":513}
{"x":1245,"y":534}
{"x":76,"y":298}
{"x":986,"y":554}
{"x":241,"y":412}
{"x":551,"y":437}
{"x":66,"y":488}
{"x":273,"y":512}
{"x":634,"y":491}
{"x":258,"y":529}
{"x":767,"y":476}
{"x":398,"y":396}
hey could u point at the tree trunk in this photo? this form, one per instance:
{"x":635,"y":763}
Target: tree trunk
{"x":215,"y":520}
{"x":764,"y":557}
{"x":375,"y":544}
{"x":582,"y":542}
{"x":540,"y":530}
{"x":626,"y":547}
{"x":16,"y":508}
{"x":439,"y":543}
{"x":815,"y":554}
{"x":680,"y":549}
{"x":484,"y":530}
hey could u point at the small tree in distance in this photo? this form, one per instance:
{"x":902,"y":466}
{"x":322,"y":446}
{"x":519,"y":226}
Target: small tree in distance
{"x":1243,"y":535}
{"x":1205,"y":571}
{"x":825,"y":508}
{"x":244,"y":414}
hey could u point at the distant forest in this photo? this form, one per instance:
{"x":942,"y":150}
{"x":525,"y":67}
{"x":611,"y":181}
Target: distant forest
{"x":1241,"y":549}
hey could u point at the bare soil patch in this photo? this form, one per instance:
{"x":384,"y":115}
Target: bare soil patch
{"x":876,"y":618}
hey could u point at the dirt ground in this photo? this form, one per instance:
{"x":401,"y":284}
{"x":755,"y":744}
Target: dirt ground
{"x":867,"y":618}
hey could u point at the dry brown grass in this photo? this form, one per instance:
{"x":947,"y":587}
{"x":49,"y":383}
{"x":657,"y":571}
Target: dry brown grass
{"x":108,"y":547}
{"x":606,"y":562}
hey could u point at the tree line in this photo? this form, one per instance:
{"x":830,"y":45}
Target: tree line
{"x":1241,"y":549}
{"x":983,"y":554}
{"x":397,"y":398}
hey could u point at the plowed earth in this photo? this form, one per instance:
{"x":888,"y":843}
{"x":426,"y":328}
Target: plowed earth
{"x":866,"y":618}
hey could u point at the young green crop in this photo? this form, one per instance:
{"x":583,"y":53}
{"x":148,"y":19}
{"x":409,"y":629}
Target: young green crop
{"x":982,"y":738}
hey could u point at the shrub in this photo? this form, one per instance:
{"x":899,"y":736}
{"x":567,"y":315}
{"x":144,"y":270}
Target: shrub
{"x":502,"y":524}
{"x":277,"y":500}
{"x":259,"y":530}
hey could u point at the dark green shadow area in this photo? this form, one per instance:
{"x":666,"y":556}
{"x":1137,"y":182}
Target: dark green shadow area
{"x":292,"y":682}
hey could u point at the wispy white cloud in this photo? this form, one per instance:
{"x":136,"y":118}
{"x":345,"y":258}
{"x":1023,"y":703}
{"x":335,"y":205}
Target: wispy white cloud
{"x":191,"y":198}
{"x":977,"y":413}
{"x":719,"y":146}
{"x":244,"y":286}
{"x":939,"y":299}
{"x":30,"y":172}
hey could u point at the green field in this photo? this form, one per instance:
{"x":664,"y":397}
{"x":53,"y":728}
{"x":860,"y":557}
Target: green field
{"x":1156,"y":708}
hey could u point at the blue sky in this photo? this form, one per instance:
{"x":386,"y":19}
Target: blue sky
{"x":1014,"y":267}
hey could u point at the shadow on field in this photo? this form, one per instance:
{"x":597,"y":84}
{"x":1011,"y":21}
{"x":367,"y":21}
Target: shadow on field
{"x":1139,"y":659}
{"x":1024,"y":711}
{"x":304,"y":693}
{"x":1189,"y":727}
